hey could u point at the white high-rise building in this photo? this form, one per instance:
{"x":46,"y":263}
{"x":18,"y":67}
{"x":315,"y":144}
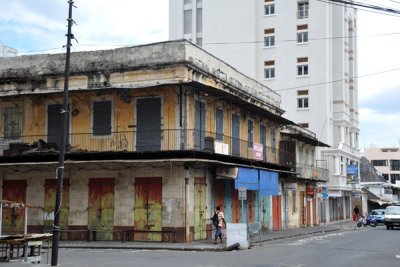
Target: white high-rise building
{"x":306,"y":50}
{"x":6,"y":51}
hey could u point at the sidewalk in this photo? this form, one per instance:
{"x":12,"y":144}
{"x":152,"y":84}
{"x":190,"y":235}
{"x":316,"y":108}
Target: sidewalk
{"x":208,"y":245}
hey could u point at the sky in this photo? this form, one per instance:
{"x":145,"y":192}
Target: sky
{"x":39,"y":26}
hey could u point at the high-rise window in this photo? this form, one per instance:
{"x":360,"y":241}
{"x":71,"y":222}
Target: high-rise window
{"x":395,"y":165}
{"x":302,"y":66}
{"x":269,"y":69}
{"x":269,"y":8}
{"x":302,"y":9}
{"x":379,"y":162}
{"x":187,"y":21}
{"x":269,"y":37}
{"x":199,"y":20}
{"x":302,"y":33}
{"x":302,"y":99}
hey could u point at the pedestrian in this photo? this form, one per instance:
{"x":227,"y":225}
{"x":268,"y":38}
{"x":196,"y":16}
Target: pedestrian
{"x":218,"y":218}
{"x":356,"y":212}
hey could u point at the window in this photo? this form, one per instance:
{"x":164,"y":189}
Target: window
{"x":250,"y":133}
{"x":394,"y":177}
{"x":302,"y":66}
{"x":199,"y":20}
{"x":302,"y":37}
{"x":219,"y":124}
{"x":12,"y":123}
{"x":273,"y":140}
{"x":269,"y":69}
{"x":395,"y":165}
{"x":269,"y":37}
{"x":303,"y":125}
{"x":385,"y":176}
{"x":379,"y":162}
{"x":187,"y":21}
{"x":302,"y":99}
{"x":302,"y":33}
{"x":187,"y":2}
{"x":269,"y":9}
{"x":102,"y":118}
{"x":302,"y":10}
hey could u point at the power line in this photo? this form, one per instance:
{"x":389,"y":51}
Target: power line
{"x":363,"y":6}
{"x":216,"y":43}
{"x":339,"y":80}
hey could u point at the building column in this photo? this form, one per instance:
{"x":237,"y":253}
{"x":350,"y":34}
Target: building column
{"x":337,"y":165}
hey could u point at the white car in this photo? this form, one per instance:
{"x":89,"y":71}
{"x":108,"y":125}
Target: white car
{"x":392,"y":217}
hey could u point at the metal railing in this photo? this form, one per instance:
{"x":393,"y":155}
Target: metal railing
{"x":149,"y":141}
{"x":312,"y":172}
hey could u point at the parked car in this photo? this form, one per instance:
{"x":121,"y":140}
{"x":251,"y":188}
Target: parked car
{"x":392,"y":217}
{"x":379,"y":215}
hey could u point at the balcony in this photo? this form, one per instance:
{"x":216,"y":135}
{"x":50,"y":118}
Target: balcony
{"x":312,"y":172}
{"x":136,"y":141}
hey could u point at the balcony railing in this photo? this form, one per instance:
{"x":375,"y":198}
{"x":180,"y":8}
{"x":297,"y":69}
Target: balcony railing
{"x":312,"y":172}
{"x":149,"y":141}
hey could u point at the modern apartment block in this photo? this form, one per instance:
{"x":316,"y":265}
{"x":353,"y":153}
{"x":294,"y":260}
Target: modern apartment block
{"x":386,"y":161}
{"x":6,"y":51}
{"x":306,"y":50}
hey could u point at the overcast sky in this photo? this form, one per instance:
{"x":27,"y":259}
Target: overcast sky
{"x":39,"y":26}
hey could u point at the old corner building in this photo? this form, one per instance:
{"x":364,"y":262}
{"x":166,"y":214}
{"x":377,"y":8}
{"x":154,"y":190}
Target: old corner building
{"x":158,"y":135}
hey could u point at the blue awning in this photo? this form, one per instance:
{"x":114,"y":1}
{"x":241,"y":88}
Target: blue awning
{"x":269,"y":183}
{"x":249,"y":178}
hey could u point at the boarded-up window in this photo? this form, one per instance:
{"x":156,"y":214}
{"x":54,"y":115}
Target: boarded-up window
{"x":12,"y":122}
{"x":148,"y":136}
{"x":102,"y":118}
{"x":55,"y":118}
{"x":235,"y":135}
{"x":199,"y":124}
{"x":219,"y":123}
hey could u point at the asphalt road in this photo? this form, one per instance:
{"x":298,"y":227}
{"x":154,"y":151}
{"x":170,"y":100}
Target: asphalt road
{"x":360,"y":247}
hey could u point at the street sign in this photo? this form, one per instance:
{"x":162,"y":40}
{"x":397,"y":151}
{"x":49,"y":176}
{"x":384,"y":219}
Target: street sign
{"x":324,"y":195}
{"x":242,"y":193}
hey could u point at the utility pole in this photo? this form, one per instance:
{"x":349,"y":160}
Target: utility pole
{"x":61,"y":157}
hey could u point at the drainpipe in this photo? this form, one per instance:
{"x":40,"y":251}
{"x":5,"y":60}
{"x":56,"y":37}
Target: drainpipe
{"x":187,"y":219}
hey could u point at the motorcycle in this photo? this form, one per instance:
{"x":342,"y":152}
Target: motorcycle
{"x":369,"y":220}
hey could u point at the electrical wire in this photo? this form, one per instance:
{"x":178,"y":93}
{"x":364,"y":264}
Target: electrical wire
{"x":339,"y":80}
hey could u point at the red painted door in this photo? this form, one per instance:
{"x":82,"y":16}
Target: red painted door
{"x":14,"y":196}
{"x":101,"y":207}
{"x":314,"y":204}
{"x":235,"y":204}
{"x":148,"y":209}
{"x":308,"y":222}
{"x":302,"y":208}
{"x":276,"y":213}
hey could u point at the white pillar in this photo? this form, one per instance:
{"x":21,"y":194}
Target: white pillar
{"x":337,"y":165}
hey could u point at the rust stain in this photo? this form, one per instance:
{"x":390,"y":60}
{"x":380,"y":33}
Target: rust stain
{"x":101,"y":207}
{"x":148,"y":208}
{"x":14,"y":218}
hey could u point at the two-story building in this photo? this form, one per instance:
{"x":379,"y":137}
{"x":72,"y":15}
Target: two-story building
{"x":158,"y":135}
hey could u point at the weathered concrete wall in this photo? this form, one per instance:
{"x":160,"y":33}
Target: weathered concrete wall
{"x":131,"y":67}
